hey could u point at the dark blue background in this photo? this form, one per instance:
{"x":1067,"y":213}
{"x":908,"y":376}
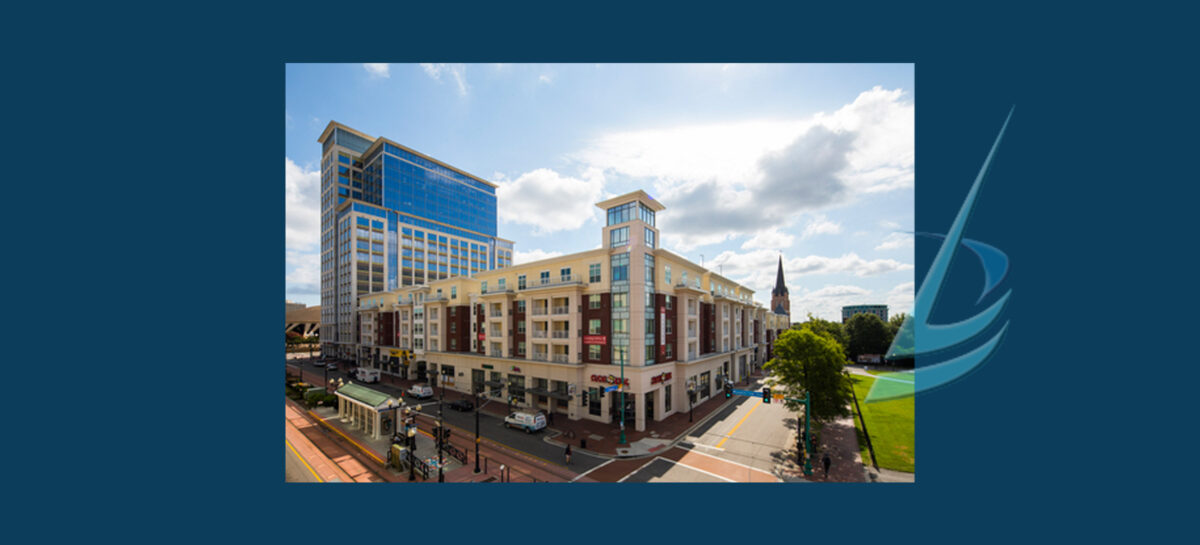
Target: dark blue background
{"x":164,"y":129}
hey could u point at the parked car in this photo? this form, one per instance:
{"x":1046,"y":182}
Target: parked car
{"x":420,"y":391}
{"x":319,"y":363}
{"x":462,"y":405}
{"x":364,"y":374}
{"x":530,"y":422}
{"x":332,"y":367}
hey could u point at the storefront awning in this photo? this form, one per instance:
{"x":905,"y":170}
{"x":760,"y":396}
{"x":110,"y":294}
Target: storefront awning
{"x":537,"y":391}
{"x":494,"y":383}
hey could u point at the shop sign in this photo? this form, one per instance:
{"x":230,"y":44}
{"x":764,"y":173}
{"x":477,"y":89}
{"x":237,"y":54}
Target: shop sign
{"x":595,"y":339}
{"x":482,"y":336}
{"x":488,"y":366}
{"x":660,"y":378}
{"x":610,"y":379}
{"x":516,"y":369}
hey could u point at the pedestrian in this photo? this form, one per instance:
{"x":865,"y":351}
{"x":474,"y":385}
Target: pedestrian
{"x":825,"y":461}
{"x":568,"y":453}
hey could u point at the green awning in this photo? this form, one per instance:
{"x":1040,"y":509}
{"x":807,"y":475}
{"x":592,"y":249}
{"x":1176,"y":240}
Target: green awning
{"x":364,"y":395}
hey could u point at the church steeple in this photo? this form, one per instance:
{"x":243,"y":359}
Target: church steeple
{"x":780,"y":302}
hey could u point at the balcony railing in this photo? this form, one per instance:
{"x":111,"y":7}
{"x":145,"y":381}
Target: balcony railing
{"x":539,"y":334}
{"x":497,"y":354}
{"x":561,"y":310}
{"x":497,"y":314}
{"x":561,"y":334}
{"x":539,"y":356}
{"x":539,"y":311}
{"x":560,"y":358}
{"x":559,"y":281}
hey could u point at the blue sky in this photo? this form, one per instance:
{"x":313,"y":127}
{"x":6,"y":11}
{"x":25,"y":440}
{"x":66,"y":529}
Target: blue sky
{"x":814,"y":162}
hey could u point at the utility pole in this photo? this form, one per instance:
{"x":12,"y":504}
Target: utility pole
{"x":441,"y":429}
{"x":478,"y":405}
{"x":621,"y":388}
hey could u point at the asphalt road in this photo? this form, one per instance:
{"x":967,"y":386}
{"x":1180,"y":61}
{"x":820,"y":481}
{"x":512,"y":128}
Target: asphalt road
{"x":490,"y":427}
{"x":751,"y":433}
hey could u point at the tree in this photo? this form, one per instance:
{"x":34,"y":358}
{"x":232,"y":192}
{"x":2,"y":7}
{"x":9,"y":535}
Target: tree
{"x":805,"y":360}
{"x":894,"y":324}
{"x":866,"y":334}
{"x":832,"y":330}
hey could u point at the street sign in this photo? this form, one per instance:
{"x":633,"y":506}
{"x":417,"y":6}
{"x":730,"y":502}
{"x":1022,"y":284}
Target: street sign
{"x":747,"y":393}
{"x":612,"y":388}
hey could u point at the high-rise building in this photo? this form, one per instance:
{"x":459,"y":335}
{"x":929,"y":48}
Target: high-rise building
{"x":393,"y":217}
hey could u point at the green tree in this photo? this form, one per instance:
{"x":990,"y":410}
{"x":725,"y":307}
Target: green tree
{"x":805,"y":360}
{"x":894,"y":324}
{"x":826,"y":328}
{"x":866,"y":334}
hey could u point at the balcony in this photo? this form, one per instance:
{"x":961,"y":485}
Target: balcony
{"x":571,"y":279}
{"x":560,"y":358}
{"x":539,"y":311}
{"x":496,"y":354}
{"x":539,"y":356}
{"x":497,"y":314}
{"x":561,"y":334}
{"x":561,"y":310}
{"x":538,"y":334}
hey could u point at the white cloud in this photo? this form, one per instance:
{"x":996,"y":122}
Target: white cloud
{"x":549,"y":201}
{"x":302,"y":210}
{"x":545,"y":78}
{"x":302,"y":228}
{"x":756,"y":269}
{"x":378,"y":69}
{"x":890,"y":225}
{"x":731,"y":179}
{"x":770,"y":239}
{"x":458,"y":72}
{"x":521,"y":258}
{"x":827,"y":302}
{"x":900,"y":299}
{"x":820,"y":226}
{"x":895,"y":241}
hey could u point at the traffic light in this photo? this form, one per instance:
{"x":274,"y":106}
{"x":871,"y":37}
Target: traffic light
{"x":445,"y":435}
{"x":766,"y":395}
{"x":728,"y":391}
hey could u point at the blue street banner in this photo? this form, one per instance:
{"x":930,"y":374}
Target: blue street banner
{"x":747,"y":393}
{"x":612,"y":388}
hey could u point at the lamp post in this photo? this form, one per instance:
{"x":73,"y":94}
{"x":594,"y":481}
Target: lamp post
{"x":478,"y":405}
{"x":691,"y":399}
{"x":441,"y":431}
{"x":621,"y":388}
{"x":412,"y":455}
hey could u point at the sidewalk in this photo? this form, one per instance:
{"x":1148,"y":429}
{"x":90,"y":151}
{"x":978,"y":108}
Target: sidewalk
{"x":336,"y":462}
{"x":839,"y":440}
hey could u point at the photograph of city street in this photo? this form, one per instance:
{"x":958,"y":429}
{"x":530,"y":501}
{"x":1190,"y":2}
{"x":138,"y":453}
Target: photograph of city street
{"x":597,"y":272}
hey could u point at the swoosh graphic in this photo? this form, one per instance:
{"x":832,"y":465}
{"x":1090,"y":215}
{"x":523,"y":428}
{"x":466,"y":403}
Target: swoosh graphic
{"x":935,"y":337}
{"x":994,"y":262}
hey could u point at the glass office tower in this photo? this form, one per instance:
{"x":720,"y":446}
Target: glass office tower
{"x":392,"y":217}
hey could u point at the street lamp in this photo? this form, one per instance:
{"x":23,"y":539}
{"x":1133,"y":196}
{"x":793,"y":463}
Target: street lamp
{"x":478,"y":405}
{"x":691,"y":398}
{"x":412,"y":454}
{"x":440,"y":428}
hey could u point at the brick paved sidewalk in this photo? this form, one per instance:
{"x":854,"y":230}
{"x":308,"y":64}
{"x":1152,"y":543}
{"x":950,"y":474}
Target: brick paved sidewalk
{"x":839,"y":439}
{"x":353,"y":468}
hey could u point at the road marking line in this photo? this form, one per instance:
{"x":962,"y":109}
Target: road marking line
{"x":758,"y":469}
{"x":622,"y":479}
{"x":739,"y":424}
{"x":303,"y":461}
{"x":698,"y":470}
{"x":580,"y":476}
{"x":707,"y":446}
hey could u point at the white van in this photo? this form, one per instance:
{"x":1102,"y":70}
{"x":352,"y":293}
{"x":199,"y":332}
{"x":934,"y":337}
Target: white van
{"x":530,"y":422}
{"x":366,"y":375}
{"x":420,"y":391}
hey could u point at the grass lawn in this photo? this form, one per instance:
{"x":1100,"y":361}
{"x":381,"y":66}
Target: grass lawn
{"x":891,"y":424}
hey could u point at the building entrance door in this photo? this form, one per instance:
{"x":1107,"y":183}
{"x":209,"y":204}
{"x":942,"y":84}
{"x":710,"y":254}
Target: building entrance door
{"x":614,"y":401}
{"x":649,"y":406}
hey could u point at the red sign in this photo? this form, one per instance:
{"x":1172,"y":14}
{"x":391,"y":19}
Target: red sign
{"x":482,"y":336}
{"x":660,"y":378}
{"x":595,"y":339}
{"x":610,"y":379}
{"x":516,"y":369}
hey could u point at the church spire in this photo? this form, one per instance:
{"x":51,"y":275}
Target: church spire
{"x":780,"y":303}
{"x":780,"y":287}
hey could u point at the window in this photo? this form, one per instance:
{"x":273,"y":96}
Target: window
{"x":521,"y":307}
{"x":649,"y":238}
{"x":669,"y":353}
{"x":594,"y":301}
{"x":620,"y":325}
{"x":669,"y":298}
{"x":683,"y":278}
{"x":618,"y":237}
{"x":670,"y":328}
{"x":594,"y":353}
{"x":593,"y":327}
{"x":483,"y":286}
{"x":500,"y":284}
{"x":565,"y":273}
{"x":649,"y":271}
{"x":594,"y":273}
{"x":620,"y":354}
{"x":620,"y":300}
{"x":521,"y":327}
{"x":620,"y":267}
{"x":454,"y":292}
{"x":521,"y":282}
{"x":545,"y":276}
{"x":668,"y":275}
